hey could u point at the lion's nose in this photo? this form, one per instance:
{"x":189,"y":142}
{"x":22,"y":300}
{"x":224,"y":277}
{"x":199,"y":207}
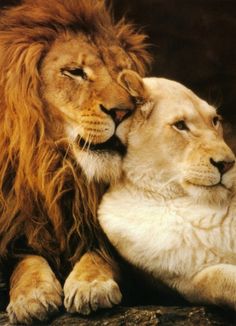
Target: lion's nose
{"x":222,"y":166}
{"x":118,"y":115}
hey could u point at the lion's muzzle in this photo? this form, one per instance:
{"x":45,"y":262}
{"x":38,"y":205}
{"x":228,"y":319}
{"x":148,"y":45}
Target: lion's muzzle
{"x":118,"y":115}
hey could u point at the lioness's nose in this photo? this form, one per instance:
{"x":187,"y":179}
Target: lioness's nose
{"x":222,"y":166}
{"x":117,"y":114}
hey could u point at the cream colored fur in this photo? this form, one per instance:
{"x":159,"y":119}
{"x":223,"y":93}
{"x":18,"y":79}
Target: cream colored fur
{"x":172,"y":214}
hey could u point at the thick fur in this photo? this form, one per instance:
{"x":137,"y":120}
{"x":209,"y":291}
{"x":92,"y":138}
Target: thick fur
{"x":48,"y":200}
{"x":177,"y":220}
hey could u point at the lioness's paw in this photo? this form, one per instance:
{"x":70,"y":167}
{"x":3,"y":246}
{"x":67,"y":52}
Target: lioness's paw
{"x":84,"y":297}
{"x":35,"y":303}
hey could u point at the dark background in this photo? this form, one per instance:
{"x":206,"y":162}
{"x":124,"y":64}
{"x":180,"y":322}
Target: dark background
{"x":193,"y":42}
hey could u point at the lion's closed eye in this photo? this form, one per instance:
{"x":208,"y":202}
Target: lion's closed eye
{"x":74,"y":72}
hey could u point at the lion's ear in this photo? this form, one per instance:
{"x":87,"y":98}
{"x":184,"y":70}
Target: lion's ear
{"x":133,"y":83}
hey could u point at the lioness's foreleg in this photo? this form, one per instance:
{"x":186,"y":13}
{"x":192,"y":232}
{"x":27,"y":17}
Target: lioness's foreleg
{"x":213,"y":285}
{"x":91,"y":285}
{"x":34,"y":291}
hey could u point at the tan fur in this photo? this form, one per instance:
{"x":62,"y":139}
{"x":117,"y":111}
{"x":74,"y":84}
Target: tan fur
{"x":50,"y":187}
{"x":34,"y":291}
{"x":95,"y":278}
{"x":177,"y":220}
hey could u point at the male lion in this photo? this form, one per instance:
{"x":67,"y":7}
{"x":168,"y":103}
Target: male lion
{"x":177,"y":220}
{"x":63,"y":122}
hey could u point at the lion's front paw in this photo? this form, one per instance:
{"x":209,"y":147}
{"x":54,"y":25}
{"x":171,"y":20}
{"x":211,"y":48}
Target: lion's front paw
{"x":84,"y":297}
{"x":35,"y":303}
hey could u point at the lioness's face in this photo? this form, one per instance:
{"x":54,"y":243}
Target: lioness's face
{"x":80,"y":79}
{"x":177,"y":137}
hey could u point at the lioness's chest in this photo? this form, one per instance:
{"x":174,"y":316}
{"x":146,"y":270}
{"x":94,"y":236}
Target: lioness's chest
{"x":170,"y":239}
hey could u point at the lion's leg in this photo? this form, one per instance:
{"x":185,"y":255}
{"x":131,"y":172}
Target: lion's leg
{"x":213,"y":285}
{"x":34,"y":291}
{"x":91,"y":285}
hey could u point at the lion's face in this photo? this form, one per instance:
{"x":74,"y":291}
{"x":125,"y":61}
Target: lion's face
{"x":177,"y":140}
{"x":80,"y":79}
{"x":64,"y":60}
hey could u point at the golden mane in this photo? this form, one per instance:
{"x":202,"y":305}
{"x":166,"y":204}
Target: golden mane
{"x":46,"y":204}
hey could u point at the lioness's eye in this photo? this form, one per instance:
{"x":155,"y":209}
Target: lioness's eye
{"x":216,"y":120}
{"x":74,"y":72}
{"x":181,"y":125}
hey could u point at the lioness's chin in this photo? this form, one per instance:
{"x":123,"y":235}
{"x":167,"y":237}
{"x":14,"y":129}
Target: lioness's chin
{"x":208,"y":186}
{"x":212,"y":194}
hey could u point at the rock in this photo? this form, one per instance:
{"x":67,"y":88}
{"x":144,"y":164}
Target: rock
{"x":145,"y":316}
{"x":148,"y":315}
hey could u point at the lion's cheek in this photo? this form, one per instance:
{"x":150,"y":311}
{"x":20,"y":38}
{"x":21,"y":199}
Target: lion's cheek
{"x":90,"y":132}
{"x":97,"y":133}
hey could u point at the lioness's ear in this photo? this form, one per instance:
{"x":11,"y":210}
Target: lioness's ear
{"x":146,"y":109}
{"x":133,"y":83}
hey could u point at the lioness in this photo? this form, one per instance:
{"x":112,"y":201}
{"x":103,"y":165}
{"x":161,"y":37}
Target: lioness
{"x":177,"y":220}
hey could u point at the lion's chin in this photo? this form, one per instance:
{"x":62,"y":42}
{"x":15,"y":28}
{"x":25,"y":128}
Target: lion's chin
{"x":101,"y":162}
{"x":100,"y":166}
{"x":112,"y":145}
